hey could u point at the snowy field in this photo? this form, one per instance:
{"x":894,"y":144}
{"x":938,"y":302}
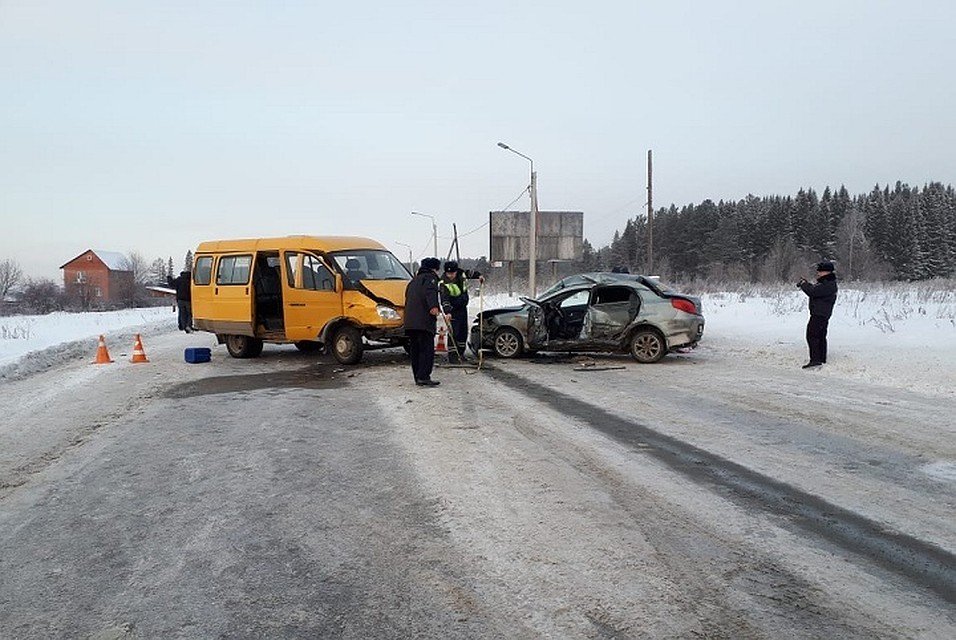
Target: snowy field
{"x":893,"y":335}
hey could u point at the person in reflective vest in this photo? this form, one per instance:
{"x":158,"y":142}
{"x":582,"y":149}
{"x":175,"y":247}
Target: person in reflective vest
{"x":454,"y":289}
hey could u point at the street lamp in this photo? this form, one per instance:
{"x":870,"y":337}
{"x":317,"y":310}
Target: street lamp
{"x":411,"y":260}
{"x":533,"y":231}
{"x":434,"y":229}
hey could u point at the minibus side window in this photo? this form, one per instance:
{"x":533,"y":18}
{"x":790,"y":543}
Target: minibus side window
{"x":202,"y":274}
{"x":291,"y":266}
{"x":234,"y":270}
{"x":315,"y":275}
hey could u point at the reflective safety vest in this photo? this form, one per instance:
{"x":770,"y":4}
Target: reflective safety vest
{"x":453,"y":289}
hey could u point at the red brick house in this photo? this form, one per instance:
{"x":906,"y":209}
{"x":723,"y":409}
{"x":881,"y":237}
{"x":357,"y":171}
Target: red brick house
{"x":98,"y":278}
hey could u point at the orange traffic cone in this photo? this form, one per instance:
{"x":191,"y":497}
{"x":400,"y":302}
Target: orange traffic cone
{"x":102,"y":355}
{"x":440,"y":347}
{"x":138,"y":354}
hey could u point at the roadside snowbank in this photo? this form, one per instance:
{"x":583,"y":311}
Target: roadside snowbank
{"x":33,"y":343}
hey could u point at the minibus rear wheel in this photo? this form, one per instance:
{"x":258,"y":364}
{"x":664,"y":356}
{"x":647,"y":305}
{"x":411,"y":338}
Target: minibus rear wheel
{"x":243,"y":346}
{"x":347,"y":345}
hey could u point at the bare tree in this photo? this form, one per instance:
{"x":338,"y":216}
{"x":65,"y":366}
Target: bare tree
{"x":136,"y":263}
{"x":42,"y":295}
{"x":157,"y":272}
{"x":10,"y":276}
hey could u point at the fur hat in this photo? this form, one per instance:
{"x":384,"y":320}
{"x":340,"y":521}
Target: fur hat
{"x":431,"y":263}
{"x":451,"y":265}
{"x":826,"y":265}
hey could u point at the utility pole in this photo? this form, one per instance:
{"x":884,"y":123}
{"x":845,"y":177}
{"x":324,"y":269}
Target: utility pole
{"x":533,"y":239}
{"x":411,"y":259}
{"x":533,"y":231}
{"x":650,"y":216}
{"x":434,"y":230}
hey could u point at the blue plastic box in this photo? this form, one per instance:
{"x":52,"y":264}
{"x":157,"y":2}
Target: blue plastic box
{"x":195,"y":355}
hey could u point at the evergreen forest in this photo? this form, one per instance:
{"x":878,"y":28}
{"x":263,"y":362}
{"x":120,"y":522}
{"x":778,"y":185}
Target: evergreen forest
{"x":902,"y":233}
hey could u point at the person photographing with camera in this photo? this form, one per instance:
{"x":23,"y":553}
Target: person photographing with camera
{"x":823,"y":295}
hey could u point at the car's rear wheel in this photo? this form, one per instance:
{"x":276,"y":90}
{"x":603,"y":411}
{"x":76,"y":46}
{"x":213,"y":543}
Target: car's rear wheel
{"x":508,"y":343}
{"x":243,"y":346}
{"x":648,"y":346}
{"x":347,"y":345}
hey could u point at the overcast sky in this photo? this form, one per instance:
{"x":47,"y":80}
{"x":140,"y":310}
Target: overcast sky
{"x":152,"y":126}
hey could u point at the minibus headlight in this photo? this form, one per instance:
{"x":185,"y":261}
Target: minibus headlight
{"x":387,"y":313}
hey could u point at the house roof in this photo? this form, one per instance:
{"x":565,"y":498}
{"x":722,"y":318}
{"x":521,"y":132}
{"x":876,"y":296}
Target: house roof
{"x":114,"y":260}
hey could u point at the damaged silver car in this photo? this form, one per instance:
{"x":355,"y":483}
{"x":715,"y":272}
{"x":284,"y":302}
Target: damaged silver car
{"x":610,"y":312}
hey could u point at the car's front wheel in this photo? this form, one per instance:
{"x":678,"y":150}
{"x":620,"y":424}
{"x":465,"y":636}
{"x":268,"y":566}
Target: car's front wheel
{"x":648,"y":346}
{"x":508,"y":343}
{"x":243,"y":346}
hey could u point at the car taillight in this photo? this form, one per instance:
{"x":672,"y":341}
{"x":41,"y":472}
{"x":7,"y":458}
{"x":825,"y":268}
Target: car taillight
{"x":682,"y":304}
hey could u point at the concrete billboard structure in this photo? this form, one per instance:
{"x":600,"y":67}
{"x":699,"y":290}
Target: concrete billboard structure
{"x":560,"y":235}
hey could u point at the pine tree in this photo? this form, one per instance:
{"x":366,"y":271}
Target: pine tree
{"x":804,"y":211}
{"x":820,"y":234}
{"x":188,"y":261}
{"x":169,"y":267}
{"x":876,"y":222}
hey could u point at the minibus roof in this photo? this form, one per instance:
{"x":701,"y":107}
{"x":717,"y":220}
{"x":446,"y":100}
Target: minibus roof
{"x":303,"y":243}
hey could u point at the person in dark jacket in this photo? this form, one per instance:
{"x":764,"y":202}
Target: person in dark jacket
{"x":454,"y":291}
{"x":822,"y":296}
{"x":422,"y":308}
{"x":183,"y":287}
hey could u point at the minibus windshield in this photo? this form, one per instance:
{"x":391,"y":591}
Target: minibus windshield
{"x":370,"y":264}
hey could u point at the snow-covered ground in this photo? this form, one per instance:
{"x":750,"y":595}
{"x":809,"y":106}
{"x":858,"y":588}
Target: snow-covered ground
{"x":892,"y":336}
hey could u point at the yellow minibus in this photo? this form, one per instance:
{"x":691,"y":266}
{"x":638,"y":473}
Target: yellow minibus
{"x":341,"y":294}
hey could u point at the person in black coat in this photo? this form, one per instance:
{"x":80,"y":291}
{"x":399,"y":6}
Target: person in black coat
{"x":454,"y":291}
{"x":183,"y":287}
{"x":822,"y":296}
{"x":422,"y":308}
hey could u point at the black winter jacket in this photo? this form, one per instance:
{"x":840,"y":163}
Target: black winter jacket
{"x":421,"y":296}
{"x":822,"y":295}
{"x":182,"y":285}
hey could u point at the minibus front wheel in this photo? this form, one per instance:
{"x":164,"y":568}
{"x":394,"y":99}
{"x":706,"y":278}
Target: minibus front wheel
{"x":347,"y":345}
{"x":243,"y":346}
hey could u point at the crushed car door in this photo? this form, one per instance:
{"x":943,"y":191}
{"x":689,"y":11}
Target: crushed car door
{"x":564,"y":317}
{"x":612,"y":309}
{"x":537,"y":327}
{"x":573,"y":310}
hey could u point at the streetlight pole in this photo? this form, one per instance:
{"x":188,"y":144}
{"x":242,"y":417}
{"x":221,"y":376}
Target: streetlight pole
{"x":533,"y":230}
{"x":434,"y":229}
{"x":411,"y":260}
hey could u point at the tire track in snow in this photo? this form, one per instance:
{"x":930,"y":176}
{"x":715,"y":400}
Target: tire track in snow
{"x":919,"y":561}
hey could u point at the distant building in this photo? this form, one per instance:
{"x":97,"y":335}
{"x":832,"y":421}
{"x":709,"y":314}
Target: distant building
{"x":98,"y":278}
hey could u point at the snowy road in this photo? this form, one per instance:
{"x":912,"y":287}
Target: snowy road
{"x":285,"y":497}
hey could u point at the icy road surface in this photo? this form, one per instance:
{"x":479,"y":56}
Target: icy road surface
{"x":289,"y":497}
